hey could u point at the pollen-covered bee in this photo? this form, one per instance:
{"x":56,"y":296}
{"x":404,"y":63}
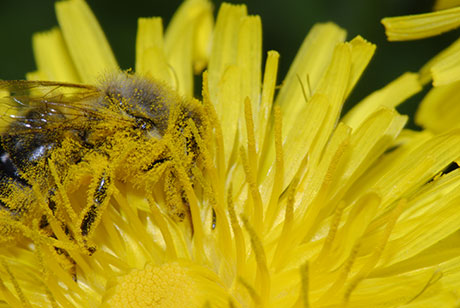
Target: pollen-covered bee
{"x":62,"y":137}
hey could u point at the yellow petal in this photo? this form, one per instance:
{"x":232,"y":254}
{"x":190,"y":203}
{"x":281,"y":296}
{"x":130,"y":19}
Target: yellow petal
{"x":312,"y":190}
{"x":368,"y":142}
{"x":302,"y":138}
{"x":390,"y":96}
{"x":401,"y":290}
{"x":307,"y":69}
{"x":409,"y":167}
{"x":149,"y":34}
{"x":405,"y":144}
{"x":36,"y":75}
{"x":361,"y":53}
{"x":85,"y":40}
{"x":433,"y":255}
{"x":435,"y":213}
{"x":439,"y":110}
{"x":230,"y":103}
{"x":325,"y":106}
{"x":150,"y":56}
{"x":249,"y":59}
{"x":443,"y":67}
{"x":365,"y":145}
{"x":268,"y":92}
{"x":447,"y":70}
{"x":52,"y":57}
{"x":236,"y":48}
{"x":445,"y":4}
{"x":184,"y":51}
{"x":305,"y":135}
{"x":334,"y":85}
{"x":224,"y":49}
{"x":223,"y":52}
{"x":414,"y":27}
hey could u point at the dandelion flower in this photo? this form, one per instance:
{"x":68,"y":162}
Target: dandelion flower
{"x":288,"y":204}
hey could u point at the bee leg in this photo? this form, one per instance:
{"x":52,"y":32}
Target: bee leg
{"x":177,"y":203}
{"x":214,"y":219}
{"x":156,"y":163}
{"x":52,"y":206}
{"x":100,"y":198}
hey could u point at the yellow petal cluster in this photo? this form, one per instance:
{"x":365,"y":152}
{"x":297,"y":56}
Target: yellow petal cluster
{"x":438,"y":111}
{"x":290,"y":204}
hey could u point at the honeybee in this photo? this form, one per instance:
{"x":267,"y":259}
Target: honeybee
{"x":60,"y":135}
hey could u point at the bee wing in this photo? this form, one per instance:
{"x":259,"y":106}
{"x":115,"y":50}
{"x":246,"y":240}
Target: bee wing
{"x":48,"y":105}
{"x":24,"y":93}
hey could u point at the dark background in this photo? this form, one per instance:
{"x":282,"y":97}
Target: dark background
{"x":285,"y":24}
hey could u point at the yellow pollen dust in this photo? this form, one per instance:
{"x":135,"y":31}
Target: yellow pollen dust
{"x":168,"y":285}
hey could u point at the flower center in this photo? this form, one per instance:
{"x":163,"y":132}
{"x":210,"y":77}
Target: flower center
{"x":168,"y":285}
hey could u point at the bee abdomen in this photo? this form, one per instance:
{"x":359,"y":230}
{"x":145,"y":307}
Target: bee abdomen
{"x":8,"y":170}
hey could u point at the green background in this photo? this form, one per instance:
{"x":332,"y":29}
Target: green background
{"x":285,"y":24}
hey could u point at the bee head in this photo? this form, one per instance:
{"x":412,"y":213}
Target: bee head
{"x":146,"y":101}
{"x":152,"y":104}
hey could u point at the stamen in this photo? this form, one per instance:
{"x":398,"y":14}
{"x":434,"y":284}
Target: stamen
{"x":240,"y":246}
{"x":113,"y":261}
{"x":58,"y":293}
{"x":386,"y":235}
{"x":305,"y":272}
{"x":17,"y":288}
{"x":286,"y":234}
{"x":369,"y":266}
{"x":437,"y":275}
{"x":257,"y":215}
{"x":252,"y":292}
{"x":49,"y":264}
{"x":51,"y":298}
{"x":262,"y":274}
{"x":132,"y":216}
{"x":273,"y":204}
{"x":9,"y":297}
{"x":130,"y":245}
{"x":345,"y":271}
{"x":163,"y":226}
{"x":252,"y":152}
{"x":325,"y":250}
{"x":268,"y":92}
{"x":336,"y":148}
{"x":231,"y":303}
{"x":38,"y":252}
{"x":113,"y":233}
